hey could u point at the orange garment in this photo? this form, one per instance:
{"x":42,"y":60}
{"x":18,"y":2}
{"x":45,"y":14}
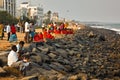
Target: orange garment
{"x":36,"y":38}
{"x":49,"y":36}
{"x":45,"y":33}
{"x":64,"y":32}
{"x":41,"y":36}
{"x":57,"y":31}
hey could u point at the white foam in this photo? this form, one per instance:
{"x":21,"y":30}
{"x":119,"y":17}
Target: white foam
{"x":108,"y":27}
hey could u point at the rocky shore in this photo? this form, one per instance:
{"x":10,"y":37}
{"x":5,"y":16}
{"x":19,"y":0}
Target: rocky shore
{"x":89,"y":54}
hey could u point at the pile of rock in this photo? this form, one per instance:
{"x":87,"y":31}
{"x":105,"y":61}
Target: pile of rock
{"x":90,"y":53}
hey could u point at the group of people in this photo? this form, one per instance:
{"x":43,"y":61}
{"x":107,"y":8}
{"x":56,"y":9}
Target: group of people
{"x":10,"y":30}
{"x":30,"y":34}
{"x":17,"y":58}
{"x":48,"y":31}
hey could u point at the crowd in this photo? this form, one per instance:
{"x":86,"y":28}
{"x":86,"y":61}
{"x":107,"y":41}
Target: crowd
{"x":30,"y":34}
{"x":17,"y":57}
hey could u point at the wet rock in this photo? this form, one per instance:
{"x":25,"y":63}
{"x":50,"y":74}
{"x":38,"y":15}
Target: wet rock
{"x":51,"y":55}
{"x":90,"y":54}
{"x":36,"y":58}
{"x":101,"y":38}
{"x":30,"y":78}
{"x":3,"y":73}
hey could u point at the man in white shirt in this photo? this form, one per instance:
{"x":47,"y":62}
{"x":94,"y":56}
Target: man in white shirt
{"x":27,"y":30}
{"x":8,"y":29}
{"x":13,"y":60}
{"x":12,"y":56}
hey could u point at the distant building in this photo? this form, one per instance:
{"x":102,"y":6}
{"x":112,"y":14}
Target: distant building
{"x":1,"y":4}
{"x":24,"y":5}
{"x":46,"y":16}
{"x":22,"y":10}
{"x":32,"y":12}
{"x":35,"y":13}
{"x":55,"y":16}
{"x":9,"y":6}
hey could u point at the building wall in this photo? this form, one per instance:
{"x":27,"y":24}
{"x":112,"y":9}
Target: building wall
{"x":10,"y":6}
{"x":36,"y":13}
{"x":55,"y":16}
{"x":32,"y":12}
{"x":1,"y":3}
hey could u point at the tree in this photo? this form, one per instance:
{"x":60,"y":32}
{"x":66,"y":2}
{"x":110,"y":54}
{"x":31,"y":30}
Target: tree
{"x":49,"y":14}
{"x":48,"y":20}
{"x":7,"y":18}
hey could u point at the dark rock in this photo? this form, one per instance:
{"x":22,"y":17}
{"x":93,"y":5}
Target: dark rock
{"x":3,"y":73}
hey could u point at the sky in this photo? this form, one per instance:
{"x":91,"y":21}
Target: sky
{"x":82,"y":10}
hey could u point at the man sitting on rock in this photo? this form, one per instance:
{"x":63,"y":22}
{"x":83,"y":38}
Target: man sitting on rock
{"x":13,"y":60}
{"x":20,"y":49}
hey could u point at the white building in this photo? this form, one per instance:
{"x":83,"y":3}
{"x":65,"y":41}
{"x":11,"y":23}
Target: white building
{"x":32,"y":12}
{"x":55,"y":16}
{"x":1,"y":5}
{"x":36,"y":13}
{"x":9,"y":6}
{"x":22,"y":10}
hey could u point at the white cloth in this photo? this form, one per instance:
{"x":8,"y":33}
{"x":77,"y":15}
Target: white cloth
{"x":19,"y":48}
{"x":27,"y":27}
{"x":12,"y":57}
{"x":8,"y":29}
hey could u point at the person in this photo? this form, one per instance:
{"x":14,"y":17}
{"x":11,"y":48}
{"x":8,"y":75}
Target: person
{"x":22,"y":65}
{"x":8,"y":30}
{"x":32,"y":31}
{"x":50,"y":36}
{"x":12,"y":56}
{"x":1,"y":30}
{"x":62,"y":26}
{"x":41,"y":37}
{"x":19,"y":26}
{"x":45,"y":33}
{"x":20,"y":49}
{"x":27,"y":30}
{"x":13,"y":60}
{"x":13,"y":36}
{"x":36,"y":37}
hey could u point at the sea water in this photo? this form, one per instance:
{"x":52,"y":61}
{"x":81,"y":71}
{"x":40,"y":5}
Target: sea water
{"x":110,"y":26}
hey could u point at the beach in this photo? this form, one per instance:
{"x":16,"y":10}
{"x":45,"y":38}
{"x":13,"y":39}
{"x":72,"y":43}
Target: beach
{"x":6,"y":45}
{"x":88,"y":54}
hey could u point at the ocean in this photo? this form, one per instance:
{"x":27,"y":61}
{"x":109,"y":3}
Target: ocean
{"x":110,"y":26}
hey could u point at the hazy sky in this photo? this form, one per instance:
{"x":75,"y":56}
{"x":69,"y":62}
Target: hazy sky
{"x":82,"y":10}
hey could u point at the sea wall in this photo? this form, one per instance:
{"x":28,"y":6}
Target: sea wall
{"x":90,"y":53}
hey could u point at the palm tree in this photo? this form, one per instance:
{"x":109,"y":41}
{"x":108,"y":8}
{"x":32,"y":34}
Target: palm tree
{"x":49,"y":14}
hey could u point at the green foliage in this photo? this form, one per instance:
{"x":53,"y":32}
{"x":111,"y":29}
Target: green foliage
{"x":24,"y":18}
{"x":47,"y":21}
{"x":7,"y":18}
